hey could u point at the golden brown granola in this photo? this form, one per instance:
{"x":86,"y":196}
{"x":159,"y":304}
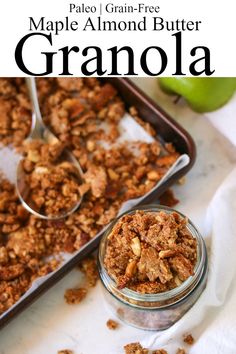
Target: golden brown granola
{"x":150,"y":252}
{"x":135,"y":348}
{"x":76,"y":110}
{"x":75,"y":296}
{"x":25,"y":244}
{"x":111,"y":324}
{"x":15,"y":111}
{"x":53,"y":183}
{"x":188,"y":338}
{"x":160,"y":351}
{"x":65,"y":351}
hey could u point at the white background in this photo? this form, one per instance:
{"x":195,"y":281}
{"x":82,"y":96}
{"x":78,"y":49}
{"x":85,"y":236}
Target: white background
{"x":217,"y":32}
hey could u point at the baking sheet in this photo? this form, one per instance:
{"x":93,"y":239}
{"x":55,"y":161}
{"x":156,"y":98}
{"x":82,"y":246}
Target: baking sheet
{"x":130,"y":131}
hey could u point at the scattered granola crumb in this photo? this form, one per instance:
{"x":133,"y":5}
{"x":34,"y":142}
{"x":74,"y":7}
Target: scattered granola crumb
{"x":168,"y":199}
{"x":150,"y":252}
{"x":159,"y":351}
{"x":65,"y":351}
{"x":181,"y":351}
{"x":75,"y":296}
{"x":111,"y":324}
{"x":188,"y":338}
{"x":135,"y":348}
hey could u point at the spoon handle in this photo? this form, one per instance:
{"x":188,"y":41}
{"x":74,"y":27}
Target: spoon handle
{"x":38,"y":126}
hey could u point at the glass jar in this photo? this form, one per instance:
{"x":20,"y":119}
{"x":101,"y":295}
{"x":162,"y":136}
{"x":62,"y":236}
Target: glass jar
{"x":154,"y":311}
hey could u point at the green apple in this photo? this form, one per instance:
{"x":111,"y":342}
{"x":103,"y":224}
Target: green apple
{"x":204,"y":94}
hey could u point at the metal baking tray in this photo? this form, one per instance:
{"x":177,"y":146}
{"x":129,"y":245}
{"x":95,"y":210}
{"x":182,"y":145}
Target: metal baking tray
{"x":169,"y":131}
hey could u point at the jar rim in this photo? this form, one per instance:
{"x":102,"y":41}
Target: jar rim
{"x":162,"y":296}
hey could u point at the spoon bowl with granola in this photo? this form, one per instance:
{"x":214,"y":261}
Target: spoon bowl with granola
{"x":48,"y":176}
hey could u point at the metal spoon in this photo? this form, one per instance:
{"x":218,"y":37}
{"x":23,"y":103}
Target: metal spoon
{"x":40,"y":132}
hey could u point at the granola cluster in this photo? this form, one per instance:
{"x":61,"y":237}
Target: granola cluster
{"x":52,"y":182}
{"x":135,"y":348}
{"x":15,"y":111}
{"x":84,"y":113}
{"x":111,"y":324}
{"x":188,"y":339}
{"x":150,"y":252}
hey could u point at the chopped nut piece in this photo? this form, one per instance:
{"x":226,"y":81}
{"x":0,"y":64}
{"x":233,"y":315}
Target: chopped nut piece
{"x":135,"y":348}
{"x":113,"y":175}
{"x":136,"y":246}
{"x":131,"y":268}
{"x":111,"y":324}
{"x":33,"y":156}
{"x":40,"y":169}
{"x":90,"y":145}
{"x":178,"y":282}
{"x":153,"y":175}
{"x":96,"y":177}
{"x":188,"y":338}
{"x":75,"y":296}
{"x":167,"y":253}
